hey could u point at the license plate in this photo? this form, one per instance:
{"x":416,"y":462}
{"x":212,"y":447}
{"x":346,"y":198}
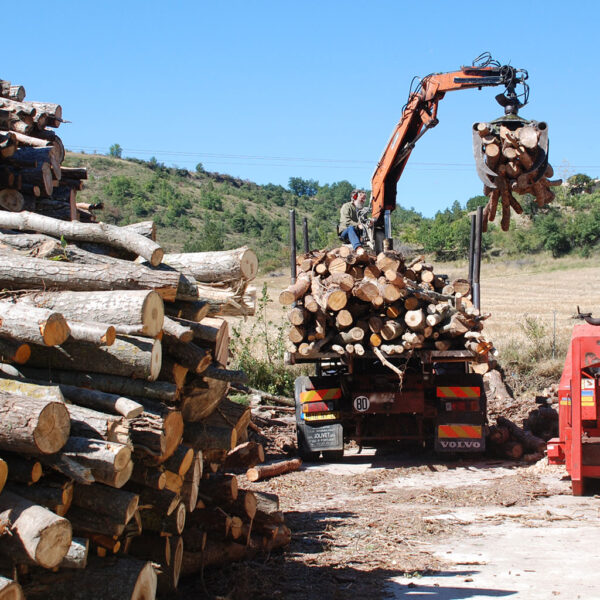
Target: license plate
{"x":330,"y":416}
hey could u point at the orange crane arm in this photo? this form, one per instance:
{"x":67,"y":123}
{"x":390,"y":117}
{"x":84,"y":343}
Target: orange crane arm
{"x":419,"y":115}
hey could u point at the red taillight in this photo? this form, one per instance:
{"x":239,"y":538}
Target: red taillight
{"x":312,"y":407}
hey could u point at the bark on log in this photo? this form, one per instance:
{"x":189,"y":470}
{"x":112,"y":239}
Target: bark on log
{"x":102,"y":401}
{"x":201,"y":397}
{"x":108,"y":461}
{"x":151,"y":477}
{"x":38,"y":535}
{"x":157,"y":521}
{"x":119,"y":504}
{"x":219,"y":488}
{"x":530,"y":442}
{"x":129,"y":356}
{"x":204,"y":438}
{"x":189,"y":355}
{"x":190,"y":311}
{"x":223,"y":266}
{"x":32,"y":426}
{"x":157,"y":431}
{"x":177,"y":330}
{"x":31,"y":324}
{"x":136,"y":388}
{"x":151,"y":546}
{"x":117,"y":578}
{"x":39,"y":391}
{"x":245,"y":456}
{"x":85,"y":232}
{"x":168,"y":574}
{"x":86,"y":523}
{"x":76,"y":556}
{"x":216,"y":553}
{"x":93,"y":424}
{"x":191,"y":481}
{"x":272,"y":470}
{"x":53,"y":495}
{"x":21,"y":469}
{"x":98,"y":334}
{"x":180,"y":461}
{"x":14,"y":351}
{"x":295,"y":291}
{"x":25,"y":273}
{"x":69,"y":468}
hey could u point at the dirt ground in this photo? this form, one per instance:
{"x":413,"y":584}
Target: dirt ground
{"x":383,"y":524}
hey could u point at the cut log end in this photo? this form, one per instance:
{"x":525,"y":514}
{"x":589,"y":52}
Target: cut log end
{"x":153,"y":314}
{"x":55,"y":330}
{"x":52,"y":431}
{"x":54,"y":544}
{"x":157,"y":256}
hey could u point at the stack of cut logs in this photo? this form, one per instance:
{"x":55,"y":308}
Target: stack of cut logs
{"x":116,"y":437}
{"x":31,"y":174}
{"x":514,"y":153}
{"x":508,"y":440}
{"x":349,"y":304}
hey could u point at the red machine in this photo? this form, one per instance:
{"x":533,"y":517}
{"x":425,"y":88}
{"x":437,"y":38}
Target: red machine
{"x":578,"y":446}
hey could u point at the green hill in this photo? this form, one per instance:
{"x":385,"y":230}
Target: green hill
{"x":200,"y":211}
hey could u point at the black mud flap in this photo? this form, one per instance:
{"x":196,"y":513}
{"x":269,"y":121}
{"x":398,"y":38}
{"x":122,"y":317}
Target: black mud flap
{"x":315,"y":438}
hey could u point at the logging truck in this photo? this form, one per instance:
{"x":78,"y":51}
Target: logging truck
{"x":412,"y":373}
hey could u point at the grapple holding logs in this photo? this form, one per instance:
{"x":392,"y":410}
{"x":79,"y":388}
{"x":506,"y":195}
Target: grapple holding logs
{"x":511,"y":155}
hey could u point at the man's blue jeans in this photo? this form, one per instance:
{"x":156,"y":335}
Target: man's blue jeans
{"x":350,"y":235}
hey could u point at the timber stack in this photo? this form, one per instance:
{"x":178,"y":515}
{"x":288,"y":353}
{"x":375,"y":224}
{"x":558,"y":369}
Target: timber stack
{"x":517,"y":153}
{"x":347,"y":304}
{"x":32,"y":176}
{"x":116,"y":438}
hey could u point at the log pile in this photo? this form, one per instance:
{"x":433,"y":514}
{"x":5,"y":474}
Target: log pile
{"x":115,"y":424}
{"x":32,"y":176}
{"x":348,"y":305}
{"x":515,"y":152}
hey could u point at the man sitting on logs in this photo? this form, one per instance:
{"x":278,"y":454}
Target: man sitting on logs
{"x":350,"y":229}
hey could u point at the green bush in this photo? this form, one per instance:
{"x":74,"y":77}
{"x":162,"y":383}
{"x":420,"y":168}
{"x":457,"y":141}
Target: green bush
{"x":260,"y":352}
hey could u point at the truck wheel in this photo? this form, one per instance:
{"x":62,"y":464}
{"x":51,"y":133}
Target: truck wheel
{"x":301,"y":385}
{"x":333,"y":455}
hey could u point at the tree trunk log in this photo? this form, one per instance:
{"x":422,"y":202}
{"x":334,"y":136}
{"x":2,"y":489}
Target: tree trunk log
{"x":102,"y":401}
{"x":14,"y":351}
{"x":189,"y":355}
{"x":114,"y":384}
{"x":129,"y":356}
{"x":38,"y":535}
{"x":102,"y":233}
{"x":295,"y":291}
{"x":157,"y":521}
{"x":180,"y":461}
{"x":530,"y":442}
{"x":105,"y":459}
{"x":157,"y":431}
{"x":219,"y":488}
{"x":119,"y":504}
{"x":98,"y":425}
{"x":32,"y":426}
{"x":22,"y":470}
{"x":30,"y":324}
{"x":191,"y":481}
{"x":151,"y":477}
{"x":279,"y":468}
{"x":200,"y":398}
{"x":138,"y":308}
{"x":55,"y":496}
{"x":25,"y":273}
{"x":245,"y":456}
{"x":212,"y":267}
{"x":118,"y":578}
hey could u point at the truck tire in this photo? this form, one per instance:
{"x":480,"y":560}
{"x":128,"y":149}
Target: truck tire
{"x":301,"y":385}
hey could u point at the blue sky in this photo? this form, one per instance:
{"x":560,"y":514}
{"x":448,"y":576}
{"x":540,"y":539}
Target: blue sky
{"x":268,"y":90}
